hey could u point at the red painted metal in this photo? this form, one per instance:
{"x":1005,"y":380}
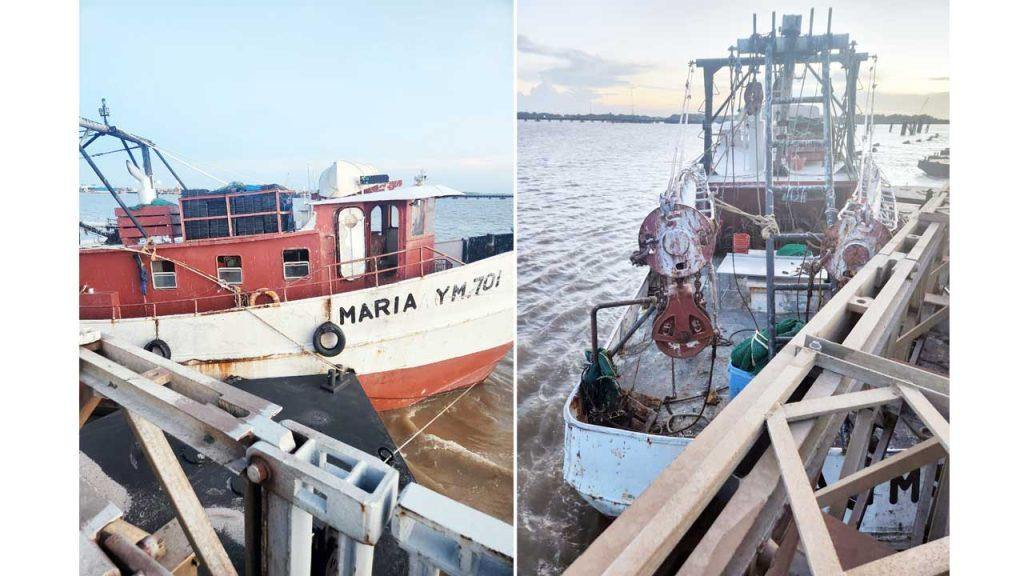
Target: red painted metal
{"x":683,"y":329}
{"x":741,"y":243}
{"x":155,"y":220}
{"x":678,"y":244}
{"x":403,"y":387}
{"x":854,"y":239}
{"x":114,"y":271}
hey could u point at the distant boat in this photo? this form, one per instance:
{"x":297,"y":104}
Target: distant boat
{"x":936,"y":165}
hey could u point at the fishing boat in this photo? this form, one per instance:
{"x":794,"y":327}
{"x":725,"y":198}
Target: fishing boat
{"x":245,"y":281}
{"x":936,"y":165}
{"x":658,"y":379}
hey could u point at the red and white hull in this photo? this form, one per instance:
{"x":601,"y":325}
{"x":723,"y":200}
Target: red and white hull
{"x":406,"y":341}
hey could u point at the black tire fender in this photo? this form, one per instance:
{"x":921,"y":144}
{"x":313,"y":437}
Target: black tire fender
{"x":328,"y":328}
{"x":158,"y":346}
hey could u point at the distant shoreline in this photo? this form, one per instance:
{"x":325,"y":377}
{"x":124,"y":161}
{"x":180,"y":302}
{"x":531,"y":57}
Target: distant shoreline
{"x":698,"y":118}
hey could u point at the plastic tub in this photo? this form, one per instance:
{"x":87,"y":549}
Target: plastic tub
{"x":738,"y":379}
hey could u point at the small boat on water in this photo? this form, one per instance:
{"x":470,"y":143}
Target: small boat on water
{"x":653,"y":386}
{"x":936,"y":165}
{"x":243,"y":281}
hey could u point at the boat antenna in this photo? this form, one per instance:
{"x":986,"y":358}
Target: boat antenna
{"x":104,"y":111}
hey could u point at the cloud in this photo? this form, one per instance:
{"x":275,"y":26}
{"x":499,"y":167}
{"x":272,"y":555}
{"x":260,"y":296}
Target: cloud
{"x":580,"y":70}
{"x":567,"y":79}
{"x":935,"y":104}
{"x":545,"y":98}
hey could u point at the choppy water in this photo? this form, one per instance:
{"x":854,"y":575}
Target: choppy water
{"x":583,"y":190}
{"x":467,"y":453}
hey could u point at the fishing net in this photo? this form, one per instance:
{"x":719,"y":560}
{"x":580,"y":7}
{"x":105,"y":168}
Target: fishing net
{"x":155,"y":202}
{"x":599,"y":384}
{"x":793,"y":250}
{"x":751,"y":355}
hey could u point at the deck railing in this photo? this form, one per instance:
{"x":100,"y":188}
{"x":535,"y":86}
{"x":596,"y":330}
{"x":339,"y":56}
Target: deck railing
{"x":322,"y":281}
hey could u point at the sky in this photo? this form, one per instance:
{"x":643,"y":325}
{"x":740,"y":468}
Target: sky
{"x":608,"y":56}
{"x":265,"y":92}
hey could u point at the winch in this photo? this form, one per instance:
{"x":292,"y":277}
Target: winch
{"x":677,"y":240}
{"x":854,"y":239}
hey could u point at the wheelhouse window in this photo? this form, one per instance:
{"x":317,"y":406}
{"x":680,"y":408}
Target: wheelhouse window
{"x":296,"y":263}
{"x":393,"y":218}
{"x":229,"y":269}
{"x":164,"y":275}
{"x":421,"y":212}
{"x":376,"y":217}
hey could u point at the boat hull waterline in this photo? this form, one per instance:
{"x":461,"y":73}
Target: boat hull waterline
{"x":407,"y":341}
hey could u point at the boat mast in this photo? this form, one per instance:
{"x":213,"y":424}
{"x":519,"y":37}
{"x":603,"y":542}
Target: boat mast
{"x":769,"y":191}
{"x":94,"y":130}
{"x":787,"y":53}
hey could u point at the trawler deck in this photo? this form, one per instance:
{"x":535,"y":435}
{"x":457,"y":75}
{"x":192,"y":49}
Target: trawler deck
{"x":665,"y":395}
{"x":646,"y":374}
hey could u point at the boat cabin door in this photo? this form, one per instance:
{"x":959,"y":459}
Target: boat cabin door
{"x":351,"y":243}
{"x":384,"y":238}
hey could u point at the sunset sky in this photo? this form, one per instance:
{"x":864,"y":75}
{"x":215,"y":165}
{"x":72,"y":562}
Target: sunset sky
{"x":605,"y":56}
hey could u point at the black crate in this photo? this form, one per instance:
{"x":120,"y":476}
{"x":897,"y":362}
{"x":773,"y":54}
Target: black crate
{"x":216,"y":207}
{"x":247,"y":225}
{"x":503,"y":243}
{"x":197,"y":229}
{"x":194,"y":208}
{"x":218,"y":228}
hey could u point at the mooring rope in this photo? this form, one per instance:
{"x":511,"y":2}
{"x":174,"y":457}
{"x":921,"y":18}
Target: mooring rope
{"x":431,"y":421}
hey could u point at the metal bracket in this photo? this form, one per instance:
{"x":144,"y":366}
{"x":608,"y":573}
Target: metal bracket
{"x":347,"y":489}
{"x":427,"y":523}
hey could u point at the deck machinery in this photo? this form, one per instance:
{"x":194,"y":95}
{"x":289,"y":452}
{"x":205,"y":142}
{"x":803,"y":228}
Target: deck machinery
{"x":807,"y":161}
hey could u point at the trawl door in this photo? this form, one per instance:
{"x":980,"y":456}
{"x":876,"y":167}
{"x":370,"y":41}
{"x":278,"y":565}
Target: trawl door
{"x":351,"y":242}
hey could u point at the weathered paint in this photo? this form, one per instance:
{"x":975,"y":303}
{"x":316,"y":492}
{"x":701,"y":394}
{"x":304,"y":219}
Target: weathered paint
{"x":452,"y":325}
{"x":610,"y":467}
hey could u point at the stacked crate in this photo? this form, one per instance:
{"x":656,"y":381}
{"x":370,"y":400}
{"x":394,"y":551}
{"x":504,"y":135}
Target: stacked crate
{"x":159,"y":220}
{"x":238,"y":211}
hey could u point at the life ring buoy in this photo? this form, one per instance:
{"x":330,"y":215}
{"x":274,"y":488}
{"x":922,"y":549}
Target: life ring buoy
{"x":158,"y":346}
{"x":321,"y":331}
{"x":263,"y":292}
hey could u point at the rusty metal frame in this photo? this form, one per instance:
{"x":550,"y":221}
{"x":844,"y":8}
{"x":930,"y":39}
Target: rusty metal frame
{"x":866,"y":317}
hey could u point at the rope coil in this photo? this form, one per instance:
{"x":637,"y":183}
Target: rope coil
{"x":768,"y":225}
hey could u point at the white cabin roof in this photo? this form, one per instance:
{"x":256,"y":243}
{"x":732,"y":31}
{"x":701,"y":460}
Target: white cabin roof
{"x":403,"y":193}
